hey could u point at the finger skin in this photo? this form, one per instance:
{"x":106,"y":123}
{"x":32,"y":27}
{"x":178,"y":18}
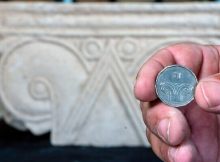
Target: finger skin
{"x":159,"y":148}
{"x":207,"y":93}
{"x":167,"y":123}
{"x":204,"y":61}
{"x":210,"y":61}
{"x":147,"y":75}
{"x":204,"y":131}
{"x":185,"y":152}
{"x":189,"y":55}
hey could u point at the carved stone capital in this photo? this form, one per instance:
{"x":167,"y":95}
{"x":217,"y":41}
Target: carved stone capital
{"x":71,"y":69}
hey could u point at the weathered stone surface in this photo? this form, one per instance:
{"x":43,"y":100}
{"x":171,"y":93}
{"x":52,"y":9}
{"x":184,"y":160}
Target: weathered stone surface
{"x":70,"y":69}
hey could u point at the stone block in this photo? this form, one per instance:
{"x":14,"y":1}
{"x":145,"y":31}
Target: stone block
{"x":70,"y":69}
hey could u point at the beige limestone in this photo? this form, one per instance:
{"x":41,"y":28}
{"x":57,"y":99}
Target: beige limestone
{"x":70,"y":69}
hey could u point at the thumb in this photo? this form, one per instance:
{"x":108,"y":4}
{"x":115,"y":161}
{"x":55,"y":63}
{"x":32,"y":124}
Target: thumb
{"x":207,"y":93}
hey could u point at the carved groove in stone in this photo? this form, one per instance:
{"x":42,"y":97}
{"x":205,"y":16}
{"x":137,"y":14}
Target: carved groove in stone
{"x":39,"y":87}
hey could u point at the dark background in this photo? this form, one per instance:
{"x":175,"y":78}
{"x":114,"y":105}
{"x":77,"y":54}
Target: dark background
{"x":17,"y":146}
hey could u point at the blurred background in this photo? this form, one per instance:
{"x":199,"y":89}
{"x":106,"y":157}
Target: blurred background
{"x":70,"y":1}
{"x":29,"y":145}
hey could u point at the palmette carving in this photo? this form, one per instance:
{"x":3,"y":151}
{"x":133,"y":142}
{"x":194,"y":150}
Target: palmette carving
{"x":176,"y":92}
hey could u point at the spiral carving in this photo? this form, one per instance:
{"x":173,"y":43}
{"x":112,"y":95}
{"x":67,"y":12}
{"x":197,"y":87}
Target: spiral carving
{"x":37,"y":77}
{"x":40,"y":89}
{"x":128,"y":48}
{"x":92,"y":48}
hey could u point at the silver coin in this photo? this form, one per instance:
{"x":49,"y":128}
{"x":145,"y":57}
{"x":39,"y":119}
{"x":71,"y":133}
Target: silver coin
{"x":175,"y":85}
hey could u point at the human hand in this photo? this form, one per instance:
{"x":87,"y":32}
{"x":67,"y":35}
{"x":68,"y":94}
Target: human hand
{"x":191,"y":133}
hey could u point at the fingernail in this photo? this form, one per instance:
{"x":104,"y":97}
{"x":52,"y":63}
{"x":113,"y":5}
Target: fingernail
{"x":163,"y":129}
{"x":172,"y":154}
{"x":209,"y":91}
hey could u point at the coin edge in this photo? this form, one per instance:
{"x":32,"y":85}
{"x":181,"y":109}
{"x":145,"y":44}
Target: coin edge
{"x":176,"y":105}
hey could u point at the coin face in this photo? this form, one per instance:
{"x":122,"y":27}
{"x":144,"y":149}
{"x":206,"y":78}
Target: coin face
{"x":175,"y":85}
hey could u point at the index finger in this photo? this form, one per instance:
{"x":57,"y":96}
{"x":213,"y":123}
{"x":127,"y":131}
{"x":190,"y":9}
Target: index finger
{"x":187,"y":54}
